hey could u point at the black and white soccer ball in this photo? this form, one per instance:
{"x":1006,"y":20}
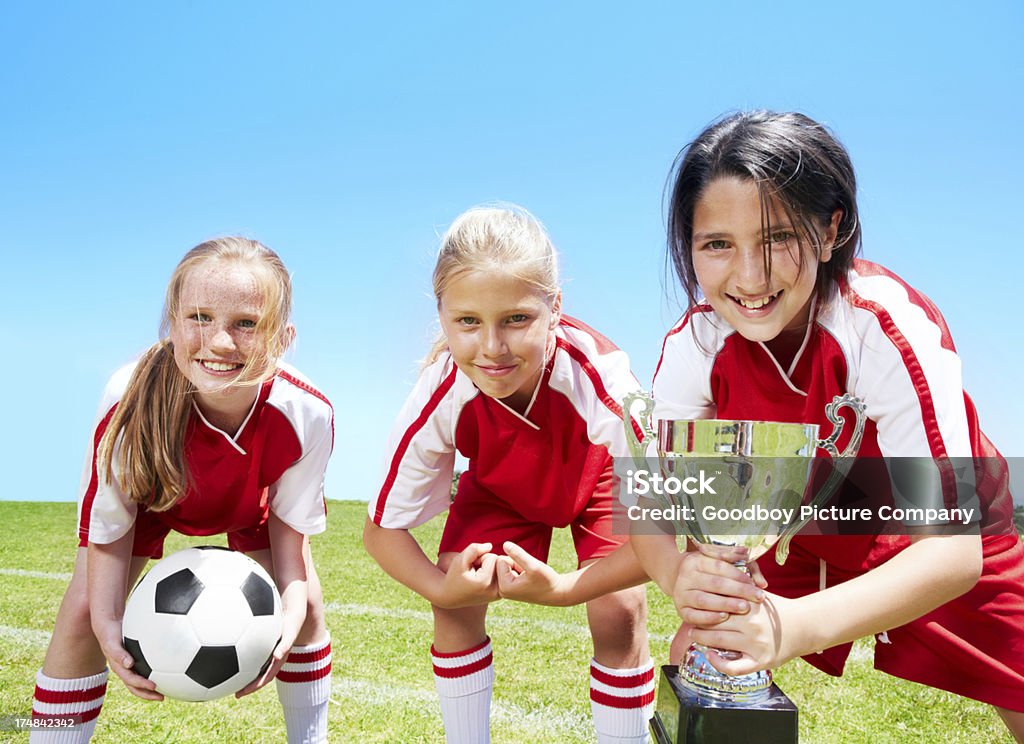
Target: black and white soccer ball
{"x":203,"y":623}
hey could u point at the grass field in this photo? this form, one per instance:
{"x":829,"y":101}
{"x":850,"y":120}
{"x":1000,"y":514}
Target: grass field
{"x":382,"y":682}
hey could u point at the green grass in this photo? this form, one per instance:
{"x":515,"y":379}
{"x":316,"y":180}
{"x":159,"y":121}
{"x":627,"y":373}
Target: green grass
{"x":383,"y":687}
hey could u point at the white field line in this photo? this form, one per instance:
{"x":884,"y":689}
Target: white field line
{"x":552,"y":627}
{"x":861,"y":653}
{"x":547,"y":723}
{"x":547,"y":626}
{"x":25,"y":636}
{"x":35,"y":574}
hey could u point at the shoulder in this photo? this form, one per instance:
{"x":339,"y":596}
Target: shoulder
{"x":440,"y":386}
{"x":115,"y":388}
{"x":697,"y":337}
{"x":588,"y":365}
{"x":583,"y":347}
{"x":289,"y":383}
{"x":878,"y":297}
{"x":307,"y":409}
{"x":901,"y":362}
{"x":435,"y":403}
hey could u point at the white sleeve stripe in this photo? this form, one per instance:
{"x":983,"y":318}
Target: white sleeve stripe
{"x":914,"y":369}
{"x":929,"y":417}
{"x":866,"y":269}
{"x":580,"y":357}
{"x":403,"y":446}
{"x":303,"y":385}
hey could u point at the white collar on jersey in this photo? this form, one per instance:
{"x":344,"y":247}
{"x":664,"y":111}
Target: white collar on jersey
{"x":787,"y":373}
{"x":233,"y":440}
{"x":529,"y":406}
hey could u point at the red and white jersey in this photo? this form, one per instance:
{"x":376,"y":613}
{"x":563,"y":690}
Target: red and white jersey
{"x":878,"y":339}
{"x":545,"y":463}
{"x":275,"y":462}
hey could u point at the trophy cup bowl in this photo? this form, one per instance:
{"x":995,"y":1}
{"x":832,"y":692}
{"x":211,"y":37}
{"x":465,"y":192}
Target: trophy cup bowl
{"x":761,"y":471}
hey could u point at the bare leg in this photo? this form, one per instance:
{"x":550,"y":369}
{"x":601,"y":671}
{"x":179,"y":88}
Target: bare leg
{"x":621,"y":674}
{"x":457,"y":630}
{"x":73,"y":651}
{"x":463,"y":670}
{"x":304,"y":682}
{"x":73,"y":680}
{"x":1014,"y":721}
{"x":618,"y":626}
{"x":314,"y":629}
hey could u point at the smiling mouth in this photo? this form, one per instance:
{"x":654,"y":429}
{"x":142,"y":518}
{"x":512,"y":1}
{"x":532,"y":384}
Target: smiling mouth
{"x":496,"y":371}
{"x":219,"y":366}
{"x":758,"y":304}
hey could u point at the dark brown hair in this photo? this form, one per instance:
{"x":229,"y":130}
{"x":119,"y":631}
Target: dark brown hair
{"x":794,"y":161}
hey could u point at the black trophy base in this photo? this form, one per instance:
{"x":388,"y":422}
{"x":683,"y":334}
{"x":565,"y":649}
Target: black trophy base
{"x":681,"y":717}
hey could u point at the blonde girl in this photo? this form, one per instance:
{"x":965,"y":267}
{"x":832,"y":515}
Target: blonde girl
{"x":206,"y":433}
{"x":530,"y":397}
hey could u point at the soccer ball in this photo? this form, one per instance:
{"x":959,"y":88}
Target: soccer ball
{"x":202,"y":623}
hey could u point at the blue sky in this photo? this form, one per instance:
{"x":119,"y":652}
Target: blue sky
{"x":347,"y":137}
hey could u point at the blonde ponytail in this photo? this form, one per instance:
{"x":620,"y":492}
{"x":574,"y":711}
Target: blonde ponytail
{"x":148,"y":428}
{"x":143,"y":447}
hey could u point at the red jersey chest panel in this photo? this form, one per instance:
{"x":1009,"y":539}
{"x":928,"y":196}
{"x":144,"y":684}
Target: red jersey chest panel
{"x":275,"y":462}
{"x":878,"y":340}
{"x":544,"y":472}
{"x":544,"y":465}
{"x":746,"y":384}
{"x":229,"y":486}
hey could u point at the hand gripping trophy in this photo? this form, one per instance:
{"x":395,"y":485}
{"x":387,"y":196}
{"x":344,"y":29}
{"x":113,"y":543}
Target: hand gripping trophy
{"x":760,"y":468}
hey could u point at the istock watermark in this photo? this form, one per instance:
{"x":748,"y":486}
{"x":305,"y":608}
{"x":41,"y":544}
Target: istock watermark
{"x":646,"y":483}
{"x":729,"y":496}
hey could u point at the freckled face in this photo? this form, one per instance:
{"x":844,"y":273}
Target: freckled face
{"x":499,"y":329}
{"x":215,"y":333}
{"x":729,"y":244}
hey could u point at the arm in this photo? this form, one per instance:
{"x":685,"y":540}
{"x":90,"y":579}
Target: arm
{"x":522,"y":577}
{"x":929,"y":573}
{"x":703,"y":583}
{"x":469,"y":580}
{"x":107,"y":582}
{"x":709,"y":572}
{"x":287,"y":548}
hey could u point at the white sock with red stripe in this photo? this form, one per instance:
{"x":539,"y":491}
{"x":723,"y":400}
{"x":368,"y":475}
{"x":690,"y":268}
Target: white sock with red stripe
{"x":622,"y":702}
{"x":464,"y":680}
{"x":61,"y":700}
{"x":304,"y":689}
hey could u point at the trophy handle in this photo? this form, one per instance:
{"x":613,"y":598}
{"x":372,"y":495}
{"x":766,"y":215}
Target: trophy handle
{"x":838,"y":423}
{"x":637,"y":448}
{"x":841,"y":461}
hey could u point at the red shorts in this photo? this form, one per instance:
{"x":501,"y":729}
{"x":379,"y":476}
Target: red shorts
{"x":476,"y":516}
{"x":150,"y":532}
{"x":972,"y":645}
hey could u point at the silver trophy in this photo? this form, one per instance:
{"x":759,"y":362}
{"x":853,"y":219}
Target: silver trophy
{"x":761,"y":472}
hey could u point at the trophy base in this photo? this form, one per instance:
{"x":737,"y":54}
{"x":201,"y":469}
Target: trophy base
{"x":682,"y":717}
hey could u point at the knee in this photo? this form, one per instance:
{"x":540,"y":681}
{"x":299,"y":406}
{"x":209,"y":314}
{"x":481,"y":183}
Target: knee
{"x":459,"y":629}
{"x":74,"y":610}
{"x":315,"y":626}
{"x":619,"y":619}
{"x":314,"y":596}
{"x":627,"y":607}
{"x":460,"y":616}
